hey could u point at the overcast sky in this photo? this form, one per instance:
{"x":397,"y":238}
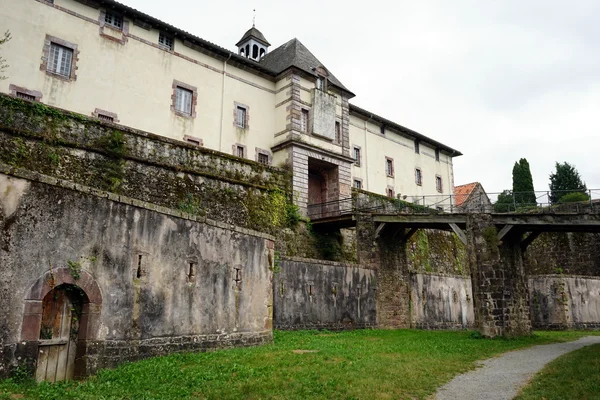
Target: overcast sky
{"x":497,"y":80}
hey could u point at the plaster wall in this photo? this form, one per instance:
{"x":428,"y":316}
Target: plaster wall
{"x":441,"y":301}
{"x":124,"y":72}
{"x":140,"y":259}
{"x":310,"y":294}
{"x":375,"y":147}
{"x":564,"y":301}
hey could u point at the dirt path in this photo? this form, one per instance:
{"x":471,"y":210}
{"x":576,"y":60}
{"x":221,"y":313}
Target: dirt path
{"x":500,"y":378}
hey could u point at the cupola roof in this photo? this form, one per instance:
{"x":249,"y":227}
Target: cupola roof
{"x":254,"y":33}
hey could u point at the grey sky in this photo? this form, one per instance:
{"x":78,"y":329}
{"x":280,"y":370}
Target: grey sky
{"x":496,"y":80}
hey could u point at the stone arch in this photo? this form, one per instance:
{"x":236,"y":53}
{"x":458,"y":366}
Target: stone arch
{"x":90,"y":316}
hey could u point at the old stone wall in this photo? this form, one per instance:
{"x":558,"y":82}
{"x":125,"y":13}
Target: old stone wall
{"x":313,"y":294}
{"x":157,"y":280}
{"x":441,"y":301}
{"x":564,"y":253}
{"x":142,"y":166}
{"x":564,"y":301}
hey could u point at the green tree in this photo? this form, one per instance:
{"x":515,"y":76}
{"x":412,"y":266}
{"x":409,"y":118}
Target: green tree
{"x":3,"y":64}
{"x":565,"y":180}
{"x":523,"y":184}
{"x":505,"y":202}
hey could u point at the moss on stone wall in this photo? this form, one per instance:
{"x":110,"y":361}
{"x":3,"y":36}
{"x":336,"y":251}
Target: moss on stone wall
{"x":568,"y":253}
{"x":144,"y":166}
{"x":438,"y":252}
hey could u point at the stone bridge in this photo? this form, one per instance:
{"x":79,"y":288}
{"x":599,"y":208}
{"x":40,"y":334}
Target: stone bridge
{"x":495,"y":246}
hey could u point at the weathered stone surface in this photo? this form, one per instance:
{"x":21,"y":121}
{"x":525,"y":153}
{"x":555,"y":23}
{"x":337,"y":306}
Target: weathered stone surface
{"x":565,"y":302}
{"x":441,"y":301}
{"x":500,"y":290}
{"x":568,"y":253}
{"x":311,"y":294}
{"x":141,"y":165}
{"x":148,"y":303}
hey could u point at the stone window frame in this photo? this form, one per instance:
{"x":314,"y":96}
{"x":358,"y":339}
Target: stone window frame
{"x":103,"y":25}
{"x":389,"y":172}
{"x":304,"y":111}
{"x":359,"y":181}
{"x":418,"y":176}
{"x":98,"y":112}
{"x":166,"y":38}
{"x":390,"y":192}
{"x":357,"y":161}
{"x":267,"y":153}
{"x":438,"y":178}
{"x":417,"y":147}
{"x":437,"y":155}
{"x":196,"y":141}
{"x":14,"y":90}
{"x":46,"y":57}
{"x":194,"y":91}
{"x":338,"y":123}
{"x":247,"y":117}
{"x":234,"y":149}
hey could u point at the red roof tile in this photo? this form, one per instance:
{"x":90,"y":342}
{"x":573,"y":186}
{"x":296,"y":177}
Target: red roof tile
{"x":462,"y":192}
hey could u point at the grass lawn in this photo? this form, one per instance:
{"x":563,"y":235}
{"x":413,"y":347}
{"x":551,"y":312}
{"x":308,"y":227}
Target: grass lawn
{"x":575,"y":375}
{"x":364,"y":364}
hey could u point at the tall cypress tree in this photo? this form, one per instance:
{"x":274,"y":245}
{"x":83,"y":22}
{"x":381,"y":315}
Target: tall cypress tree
{"x":523,"y":184}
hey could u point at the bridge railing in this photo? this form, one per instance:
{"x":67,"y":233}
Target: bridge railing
{"x":538,"y":202}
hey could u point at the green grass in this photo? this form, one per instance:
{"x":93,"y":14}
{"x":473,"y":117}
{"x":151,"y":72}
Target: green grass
{"x":365,"y":364}
{"x":574,"y":375}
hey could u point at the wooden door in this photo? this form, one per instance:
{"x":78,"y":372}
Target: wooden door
{"x":58,"y":336}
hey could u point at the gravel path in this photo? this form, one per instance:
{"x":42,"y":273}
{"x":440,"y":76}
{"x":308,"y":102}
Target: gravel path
{"x":500,"y":378}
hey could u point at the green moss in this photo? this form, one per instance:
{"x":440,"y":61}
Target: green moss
{"x":490,"y":234}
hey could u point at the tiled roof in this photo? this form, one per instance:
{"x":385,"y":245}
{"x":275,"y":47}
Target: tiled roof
{"x":256,"y":34}
{"x":295,"y":54}
{"x":462,"y":192}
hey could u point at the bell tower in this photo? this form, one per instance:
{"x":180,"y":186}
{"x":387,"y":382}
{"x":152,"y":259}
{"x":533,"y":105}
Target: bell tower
{"x":253,"y":44}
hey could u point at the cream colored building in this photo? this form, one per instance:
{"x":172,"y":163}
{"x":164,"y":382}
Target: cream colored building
{"x":281,"y":106}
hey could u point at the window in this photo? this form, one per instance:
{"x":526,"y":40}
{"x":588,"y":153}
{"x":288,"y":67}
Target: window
{"x":382,"y":129}
{"x":304,"y":121}
{"x":417,"y":147}
{"x":357,"y":156}
{"x":389,"y":192}
{"x":183,"y":100}
{"x":25,"y":96}
{"x":437,"y":154}
{"x":165,"y":41}
{"x":104,"y":115}
{"x":240,"y":116}
{"x":263,"y":158}
{"x":196,"y":141}
{"x":389,"y":167}
{"x":24,"y":93}
{"x":114,"y":20}
{"x":60,"y":60}
{"x":321,"y":83}
{"x":358,"y":183}
{"x":239,"y":151}
{"x":338,"y":132}
{"x":418,"y":177}
{"x":106,"y":118}
{"x":438,"y":183}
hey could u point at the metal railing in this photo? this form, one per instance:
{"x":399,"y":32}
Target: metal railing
{"x":539,"y":202}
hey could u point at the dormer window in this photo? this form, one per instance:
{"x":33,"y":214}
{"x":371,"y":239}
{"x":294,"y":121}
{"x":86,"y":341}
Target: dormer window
{"x":321,"y":83}
{"x":114,"y":20}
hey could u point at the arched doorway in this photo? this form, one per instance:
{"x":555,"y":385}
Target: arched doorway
{"x":61,"y":317}
{"x":62,"y":309}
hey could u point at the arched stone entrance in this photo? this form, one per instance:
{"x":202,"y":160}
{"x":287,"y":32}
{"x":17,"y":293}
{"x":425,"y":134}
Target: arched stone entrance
{"x":61,"y":315}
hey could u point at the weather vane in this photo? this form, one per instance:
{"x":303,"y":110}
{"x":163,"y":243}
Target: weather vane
{"x":254,"y":18}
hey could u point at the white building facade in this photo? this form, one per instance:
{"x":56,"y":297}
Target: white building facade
{"x":280,"y":107}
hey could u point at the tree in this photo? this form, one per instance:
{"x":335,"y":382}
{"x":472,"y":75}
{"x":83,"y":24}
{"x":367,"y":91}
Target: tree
{"x":523,"y":184}
{"x":505,"y":202}
{"x":565,"y":180}
{"x":3,"y":64}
